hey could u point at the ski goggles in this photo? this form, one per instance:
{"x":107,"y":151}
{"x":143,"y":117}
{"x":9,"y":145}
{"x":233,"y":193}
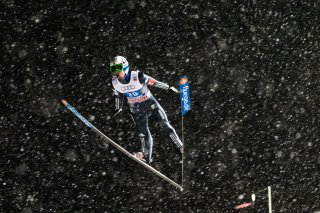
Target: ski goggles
{"x":116,"y":68}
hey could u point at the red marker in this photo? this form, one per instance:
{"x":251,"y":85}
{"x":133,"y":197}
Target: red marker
{"x":244,"y":205}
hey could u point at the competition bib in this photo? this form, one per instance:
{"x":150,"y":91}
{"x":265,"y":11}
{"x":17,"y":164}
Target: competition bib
{"x":131,"y":88}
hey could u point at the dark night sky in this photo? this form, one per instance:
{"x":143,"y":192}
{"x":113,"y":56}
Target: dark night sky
{"x":254,"y":73}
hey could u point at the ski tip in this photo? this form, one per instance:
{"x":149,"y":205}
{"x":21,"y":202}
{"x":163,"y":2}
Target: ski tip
{"x":64,"y":102}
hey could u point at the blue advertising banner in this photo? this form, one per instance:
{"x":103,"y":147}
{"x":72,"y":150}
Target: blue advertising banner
{"x":185,"y":95}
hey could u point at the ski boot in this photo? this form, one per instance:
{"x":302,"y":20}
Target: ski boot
{"x":139,"y":156}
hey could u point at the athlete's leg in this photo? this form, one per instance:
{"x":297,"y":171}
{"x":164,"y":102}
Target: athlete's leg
{"x":160,"y":116}
{"x":140,"y":117}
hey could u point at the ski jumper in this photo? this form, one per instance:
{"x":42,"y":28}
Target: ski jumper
{"x":142,"y":104}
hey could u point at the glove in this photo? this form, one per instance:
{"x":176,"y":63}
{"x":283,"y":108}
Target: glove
{"x":174,"y":89}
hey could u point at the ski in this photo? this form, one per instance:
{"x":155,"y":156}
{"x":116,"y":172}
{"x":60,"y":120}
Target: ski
{"x":108,"y":140}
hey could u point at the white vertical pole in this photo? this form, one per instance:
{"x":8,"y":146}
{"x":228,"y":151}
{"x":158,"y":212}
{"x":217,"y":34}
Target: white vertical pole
{"x":269,"y":199}
{"x":182,"y":155}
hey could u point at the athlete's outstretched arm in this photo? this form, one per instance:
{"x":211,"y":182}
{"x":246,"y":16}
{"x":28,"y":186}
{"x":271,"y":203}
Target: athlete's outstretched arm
{"x":118,"y":99}
{"x":153,"y":82}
